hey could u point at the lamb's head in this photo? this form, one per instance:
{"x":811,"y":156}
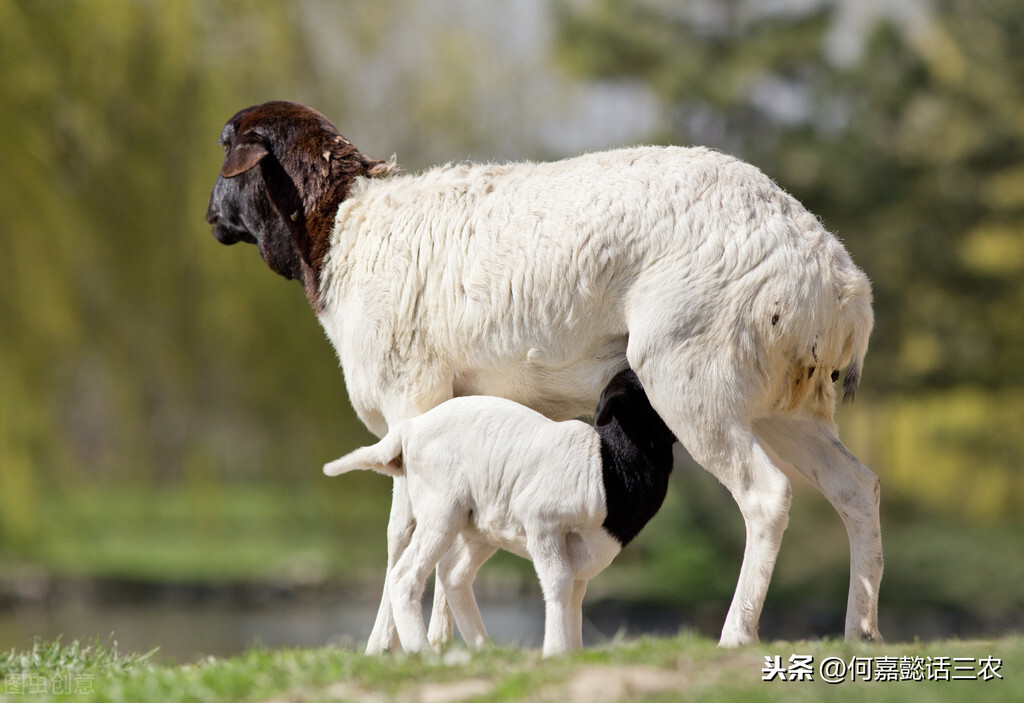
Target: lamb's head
{"x":286,"y":206}
{"x":624,"y":402}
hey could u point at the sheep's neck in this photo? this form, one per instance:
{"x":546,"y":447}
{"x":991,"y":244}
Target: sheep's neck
{"x":314,"y":226}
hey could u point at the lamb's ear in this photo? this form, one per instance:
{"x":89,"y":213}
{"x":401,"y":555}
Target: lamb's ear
{"x":610,"y":397}
{"x":242,"y":157}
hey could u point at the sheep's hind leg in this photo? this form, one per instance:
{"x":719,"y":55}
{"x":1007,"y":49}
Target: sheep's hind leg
{"x":763,"y":495}
{"x":813,"y":448}
{"x":693,"y":392}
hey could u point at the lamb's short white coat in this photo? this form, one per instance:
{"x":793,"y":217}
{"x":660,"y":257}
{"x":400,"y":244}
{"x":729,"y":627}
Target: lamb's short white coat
{"x":538,"y":281}
{"x":494,"y":474}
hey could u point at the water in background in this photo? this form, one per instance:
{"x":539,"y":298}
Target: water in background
{"x":185,"y":631}
{"x":188,"y":624}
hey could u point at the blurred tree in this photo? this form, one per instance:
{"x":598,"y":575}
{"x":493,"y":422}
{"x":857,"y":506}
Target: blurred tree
{"x":126,"y":349}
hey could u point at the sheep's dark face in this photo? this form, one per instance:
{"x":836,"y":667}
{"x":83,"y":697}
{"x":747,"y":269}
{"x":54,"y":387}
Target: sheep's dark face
{"x":286,"y":169}
{"x":225,"y":212}
{"x":241,"y":208}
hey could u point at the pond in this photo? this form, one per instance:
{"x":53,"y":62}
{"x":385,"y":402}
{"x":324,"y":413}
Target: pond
{"x":188,"y":623}
{"x":189,"y":626}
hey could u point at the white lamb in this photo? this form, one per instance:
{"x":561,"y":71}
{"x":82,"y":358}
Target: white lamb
{"x":494,"y":474}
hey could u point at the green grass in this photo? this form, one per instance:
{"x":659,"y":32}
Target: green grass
{"x":52,"y":670}
{"x":648,"y":669}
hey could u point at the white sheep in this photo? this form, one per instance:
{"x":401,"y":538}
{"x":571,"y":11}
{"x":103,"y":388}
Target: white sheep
{"x":491,"y":474}
{"x":538,"y":282}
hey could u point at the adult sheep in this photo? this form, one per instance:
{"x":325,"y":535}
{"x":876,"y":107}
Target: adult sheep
{"x":538,"y":282}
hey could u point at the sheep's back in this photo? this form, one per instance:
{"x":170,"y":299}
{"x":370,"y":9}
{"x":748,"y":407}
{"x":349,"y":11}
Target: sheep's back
{"x":513,"y":279}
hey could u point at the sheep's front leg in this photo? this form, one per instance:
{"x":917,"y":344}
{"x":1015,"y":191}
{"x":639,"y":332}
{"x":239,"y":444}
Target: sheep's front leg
{"x":812,"y":446}
{"x":384,"y":636}
{"x":551,"y":561}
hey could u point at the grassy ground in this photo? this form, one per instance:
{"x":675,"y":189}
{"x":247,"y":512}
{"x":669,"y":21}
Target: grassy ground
{"x":649,"y":669}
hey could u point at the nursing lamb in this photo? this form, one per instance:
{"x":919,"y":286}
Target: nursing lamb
{"x":494,"y":474}
{"x":538,"y":282}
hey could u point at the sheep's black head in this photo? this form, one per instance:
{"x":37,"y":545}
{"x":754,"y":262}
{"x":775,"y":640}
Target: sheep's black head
{"x":286,"y":169}
{"x":624,"y":401}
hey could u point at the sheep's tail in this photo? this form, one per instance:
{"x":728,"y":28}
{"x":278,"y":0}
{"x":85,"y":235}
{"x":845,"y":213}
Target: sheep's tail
{"x":856,"y":315}
{"x":384,"y":457}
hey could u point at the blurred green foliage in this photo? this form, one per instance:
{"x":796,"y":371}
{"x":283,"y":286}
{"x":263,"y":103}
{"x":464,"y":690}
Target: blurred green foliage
{"x":166,"y":402}
{"x":132,"y":347}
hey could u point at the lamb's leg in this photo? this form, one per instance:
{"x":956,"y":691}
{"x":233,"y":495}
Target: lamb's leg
{"x":812,"y":447}
{"x":430,"y":540}
{"x":441,"y":630}
{"x":579,"y":591}
{"x":551,"y":561}
{"x":384,"y":636}
{"x":455,"y":573}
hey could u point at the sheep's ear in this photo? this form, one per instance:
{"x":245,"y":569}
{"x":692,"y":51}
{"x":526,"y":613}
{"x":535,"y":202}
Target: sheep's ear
{"x":242,"y":157}
{"x":606,"y":406}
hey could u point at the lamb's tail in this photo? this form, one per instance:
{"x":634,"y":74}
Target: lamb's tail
{"x":384,"y":457}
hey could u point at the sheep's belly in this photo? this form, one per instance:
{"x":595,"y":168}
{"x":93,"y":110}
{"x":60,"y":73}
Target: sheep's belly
{"x":559,"y":385}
